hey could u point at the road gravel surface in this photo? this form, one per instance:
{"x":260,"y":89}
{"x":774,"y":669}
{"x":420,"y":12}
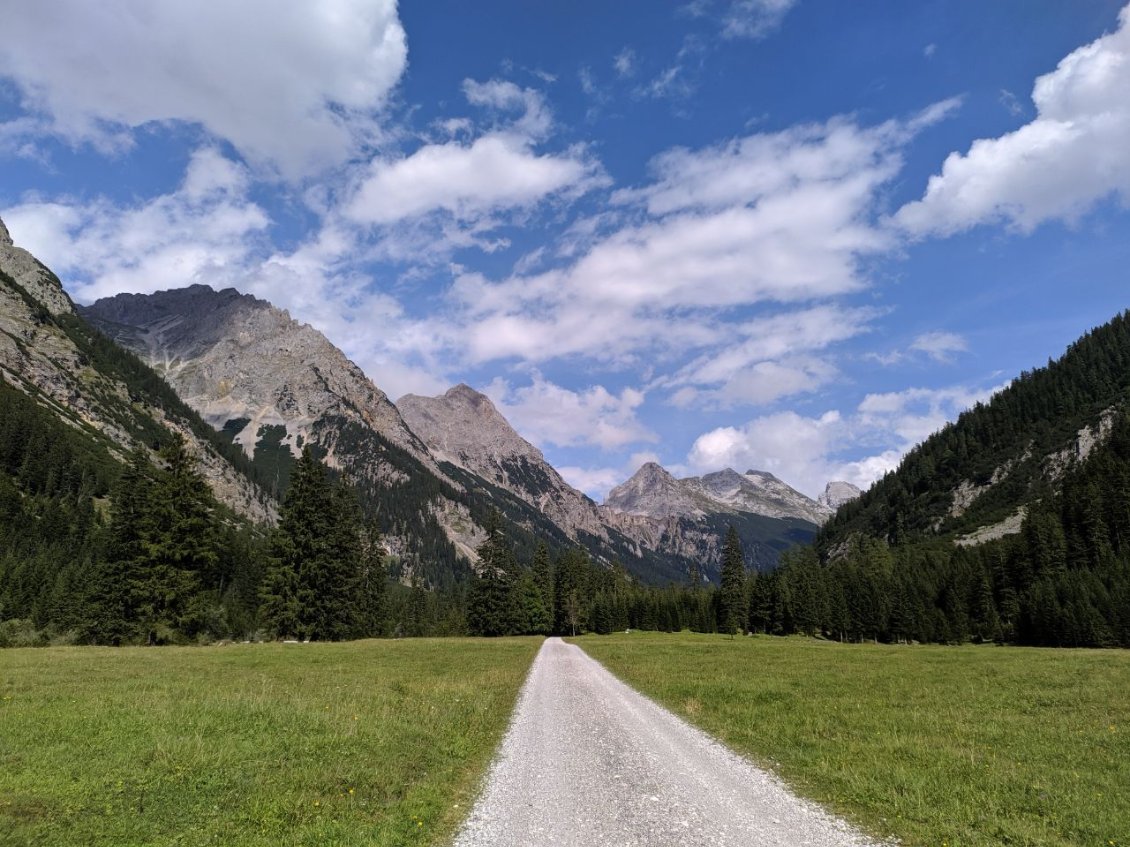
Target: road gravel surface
{"x":589,"y":762}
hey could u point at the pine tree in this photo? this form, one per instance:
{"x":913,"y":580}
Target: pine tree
{"x":489,"y":603}
{"x":732,"y":594}
{"x":370,"y":587}
{"x":315,"y":558}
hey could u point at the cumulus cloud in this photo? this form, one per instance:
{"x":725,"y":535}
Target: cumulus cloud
{"x":808,"y":452}
{"x":449,"y":195}
{"x":1075,"y":152}
{"x":293,"y":86}
{"x":208,"y":231}
{"x":547,"y":413}
{"x":203,"y":232}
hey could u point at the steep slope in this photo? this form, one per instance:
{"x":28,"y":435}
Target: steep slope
{"x":976,"y":477}
{"x":51,"y":354}
{"x":464,"y":428}
{"x":1012,"y":524}
{"x":660,"y":528}
{"x":274,"y":385}
{"x":236,"y":359}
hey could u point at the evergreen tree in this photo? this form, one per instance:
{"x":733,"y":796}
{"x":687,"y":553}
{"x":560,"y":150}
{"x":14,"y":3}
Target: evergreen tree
{"x":314,"y":559}
{"x":489,"y":602}
{"x":732,"y":597}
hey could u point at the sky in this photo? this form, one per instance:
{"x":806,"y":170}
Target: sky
{"x":790,"y":235}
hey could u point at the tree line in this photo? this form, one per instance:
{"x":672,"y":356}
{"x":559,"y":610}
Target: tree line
{"x":94,"y":550}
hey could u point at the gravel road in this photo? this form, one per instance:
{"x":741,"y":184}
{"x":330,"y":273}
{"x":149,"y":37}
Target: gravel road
{"x":588,"y":762}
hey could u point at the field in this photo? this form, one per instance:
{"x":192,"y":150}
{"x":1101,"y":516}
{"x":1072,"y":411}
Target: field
{"x":950,"y":746}
{"x":374,"y":742}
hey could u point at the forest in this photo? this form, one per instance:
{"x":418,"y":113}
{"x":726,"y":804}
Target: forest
{"x":101,"y":548}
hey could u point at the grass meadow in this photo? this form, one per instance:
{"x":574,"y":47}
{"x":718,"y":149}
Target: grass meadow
{"x":335,"y":745}
{"x":947,"y":746}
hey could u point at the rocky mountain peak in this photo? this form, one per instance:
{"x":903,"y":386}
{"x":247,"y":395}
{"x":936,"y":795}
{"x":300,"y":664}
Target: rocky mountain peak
{"x":653,"y":492}
{"x":463,"y":427}
{"x":233,"y":357}
{"x":836,"y":493}
{"x":31,"y":275}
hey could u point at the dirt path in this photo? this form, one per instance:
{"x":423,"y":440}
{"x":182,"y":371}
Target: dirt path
{"x":589,"y":762}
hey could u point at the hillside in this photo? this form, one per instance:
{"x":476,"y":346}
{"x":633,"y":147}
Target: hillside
{"x":1011,"y":524}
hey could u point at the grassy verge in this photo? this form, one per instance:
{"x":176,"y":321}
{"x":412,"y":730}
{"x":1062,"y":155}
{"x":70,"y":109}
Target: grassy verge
{"x":951,"y":746}
{"x":374,"y":743}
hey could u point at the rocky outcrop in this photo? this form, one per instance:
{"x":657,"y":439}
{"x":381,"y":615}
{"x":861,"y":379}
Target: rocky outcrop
{"x":836,"y":493}
{"x":654,"y":492}
{"x":40,"y":353}
{"x":31,"y":275}
{"x":235,"y":358}
{"x":463,"y":427}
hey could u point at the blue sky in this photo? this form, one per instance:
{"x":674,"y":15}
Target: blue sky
{"x":792,"y":235}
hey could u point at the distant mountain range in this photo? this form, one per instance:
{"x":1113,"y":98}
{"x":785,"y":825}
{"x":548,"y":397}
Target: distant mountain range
{"x":250,"y":387}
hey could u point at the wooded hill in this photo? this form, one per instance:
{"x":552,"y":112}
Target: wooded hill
{"x":889,"y":566}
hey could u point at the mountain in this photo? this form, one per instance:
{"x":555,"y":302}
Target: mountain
{"x":654,"y":492}
{"x":688,"y":518}
{"x":1010,"y":524}
{"x":273,"y":385}
{"x":983,"y":471}
{"x":463,"y":427}
{"x":250,"y":369}
{"x":51,"y":354}
{"x":836,"y":493}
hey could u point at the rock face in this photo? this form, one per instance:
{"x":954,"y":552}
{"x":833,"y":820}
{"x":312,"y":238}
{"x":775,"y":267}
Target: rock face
{"x":654,"y":492}
{"x":836,"y":493}
{"x":463,"y":427}
{"x":234,"y":358}
{"x":31,"y":275}
{"x":688,"y":518}
{"x":45,"y":352}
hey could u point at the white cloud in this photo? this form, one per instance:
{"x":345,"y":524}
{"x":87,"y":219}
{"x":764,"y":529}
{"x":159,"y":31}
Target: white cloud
{"x":454,"y":194}
{"x":754,"y":18}
{"x":1075,"y":153}
{"x":595,"y":482}
{"x":208,"y":231}
{"x":768,"y":358}
{"x":939,"y":346}
{"x":790,"y":446}
{"x":776,"y":218}
{"x":203,"y":232}
{"x":916,"y":413}
{"x":808,"y":452}
{"x":625,"y":62}
{"x":293,"y":86}
{"x":547,"y":413}
{"x":466,"y":181}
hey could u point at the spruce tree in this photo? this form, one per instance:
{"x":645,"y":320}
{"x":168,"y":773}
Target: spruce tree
{"x":489,"y":603}
{"x":314,"y":559}
{"x":732,"y":594}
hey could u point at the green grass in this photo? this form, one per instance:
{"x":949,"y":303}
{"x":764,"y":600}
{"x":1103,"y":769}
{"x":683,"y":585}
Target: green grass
{"x":948,"y":746}
{"x":374,"y":742}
